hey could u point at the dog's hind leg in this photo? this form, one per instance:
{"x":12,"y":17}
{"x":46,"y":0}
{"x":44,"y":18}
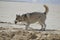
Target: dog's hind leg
{"x":43,"y":26}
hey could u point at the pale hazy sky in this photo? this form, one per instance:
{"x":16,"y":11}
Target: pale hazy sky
{"x":36,"y":1}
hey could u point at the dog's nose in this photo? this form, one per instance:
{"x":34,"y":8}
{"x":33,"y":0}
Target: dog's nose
{"x":15,"y":22}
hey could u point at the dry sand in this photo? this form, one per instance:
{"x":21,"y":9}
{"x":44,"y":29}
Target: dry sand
{"x":22,"y":34}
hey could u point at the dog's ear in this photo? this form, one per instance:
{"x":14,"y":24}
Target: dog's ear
{"x":17,"y":15}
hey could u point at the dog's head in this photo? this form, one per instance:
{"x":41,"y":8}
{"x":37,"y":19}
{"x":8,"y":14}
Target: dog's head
{"x":18,"y":19}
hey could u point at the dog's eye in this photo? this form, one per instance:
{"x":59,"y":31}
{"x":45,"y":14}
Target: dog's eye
{"x":16,"y":18}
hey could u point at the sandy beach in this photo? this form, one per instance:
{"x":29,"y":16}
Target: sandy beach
{"x":14,"y":33}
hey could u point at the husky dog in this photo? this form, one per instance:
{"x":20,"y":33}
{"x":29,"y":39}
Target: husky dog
{"x":33,"y":17}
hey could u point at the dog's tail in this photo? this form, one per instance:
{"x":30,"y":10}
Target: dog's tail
{"x":46,"y":9}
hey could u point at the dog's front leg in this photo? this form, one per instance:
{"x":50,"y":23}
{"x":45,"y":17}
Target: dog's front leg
{"x":27,"y":26}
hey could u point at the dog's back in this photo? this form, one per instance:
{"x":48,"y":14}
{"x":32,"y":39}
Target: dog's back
{"x":33,"y":17}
